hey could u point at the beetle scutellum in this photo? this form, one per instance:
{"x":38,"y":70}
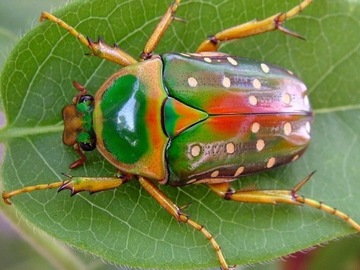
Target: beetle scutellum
{"x":164,"y":100}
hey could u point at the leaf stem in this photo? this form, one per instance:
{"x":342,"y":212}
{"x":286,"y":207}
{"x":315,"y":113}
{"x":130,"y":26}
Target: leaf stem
{"x":16,"y":132}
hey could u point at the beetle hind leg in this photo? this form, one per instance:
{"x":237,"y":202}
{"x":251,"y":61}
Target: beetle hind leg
{"x":290,"y":196}
{"x":177,"y":213}
{"x":252,"y":28}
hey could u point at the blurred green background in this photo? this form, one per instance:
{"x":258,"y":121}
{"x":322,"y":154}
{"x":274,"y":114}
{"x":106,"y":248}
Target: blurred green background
{"x":16,"y":17}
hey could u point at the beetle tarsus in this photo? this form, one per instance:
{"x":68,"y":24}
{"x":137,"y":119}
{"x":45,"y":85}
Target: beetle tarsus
{"x":6,"y":198}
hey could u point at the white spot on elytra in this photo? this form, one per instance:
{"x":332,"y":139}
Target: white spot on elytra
{"x":232,"y":61}
{"x":256,"y":83}
{"x":192,"y":82}
{"x":195,"y":150}
{"x":239,"y":171}
{"x":271,"y":162}
{"x":230,"y":148}
{"x":265,"y":68}
{"x":287,"y":129}
{"x":253,"y":100}
{"x":214,"y":173}
{"x":260,"y":144}
{"x":207,"y":59}
{"x":255,"y":127}
{"x":295,"y":157}
{"x":226,"y":82}
{"x":286,"y":98}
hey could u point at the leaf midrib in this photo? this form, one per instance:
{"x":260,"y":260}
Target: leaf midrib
{"x":11,"y":132}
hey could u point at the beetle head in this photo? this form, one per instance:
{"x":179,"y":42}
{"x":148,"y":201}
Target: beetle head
{"x":78,"y":124}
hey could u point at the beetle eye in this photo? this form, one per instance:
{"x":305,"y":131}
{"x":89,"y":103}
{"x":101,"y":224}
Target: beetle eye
{"x":86,"y":98}
{"x":88,"y":146}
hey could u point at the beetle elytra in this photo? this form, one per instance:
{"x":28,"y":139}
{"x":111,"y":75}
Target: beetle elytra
{"x":190,"y":118}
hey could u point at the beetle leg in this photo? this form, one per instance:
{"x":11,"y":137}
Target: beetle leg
{"x":99,"y":48}
{"x":252,"y":28}
{"x":75,"y":184}
{"x":176,"y":212}
{"x":159,"y":31}
{"x":290,"y":196}
{"x":80,"y":161}
{"x":93,"y":184}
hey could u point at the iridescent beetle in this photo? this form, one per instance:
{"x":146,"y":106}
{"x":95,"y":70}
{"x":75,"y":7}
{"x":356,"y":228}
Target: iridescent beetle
{"x":185,"y":118}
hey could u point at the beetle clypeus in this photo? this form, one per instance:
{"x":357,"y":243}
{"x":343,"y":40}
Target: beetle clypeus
{"x":186,"y":118}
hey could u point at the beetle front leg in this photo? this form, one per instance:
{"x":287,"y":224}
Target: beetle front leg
{"x":176,"y":212}
{"x":252,"y":28}
{"x":75,"y":184}
{"x":99,"y":48}
{"x":290,"y":196}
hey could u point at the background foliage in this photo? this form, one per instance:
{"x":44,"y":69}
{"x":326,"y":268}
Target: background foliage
{"x":126,"y":226}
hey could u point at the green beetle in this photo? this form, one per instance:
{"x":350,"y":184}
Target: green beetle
{"x":173,"y":135}
{"x":185,"y":118}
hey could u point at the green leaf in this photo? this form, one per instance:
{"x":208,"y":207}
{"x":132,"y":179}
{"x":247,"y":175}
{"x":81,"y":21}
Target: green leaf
{"x":16,"y":17}
{"x":126,"y":226}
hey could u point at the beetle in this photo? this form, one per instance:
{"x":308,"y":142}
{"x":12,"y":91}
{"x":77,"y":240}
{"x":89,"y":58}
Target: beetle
{"x":190,"y":118}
